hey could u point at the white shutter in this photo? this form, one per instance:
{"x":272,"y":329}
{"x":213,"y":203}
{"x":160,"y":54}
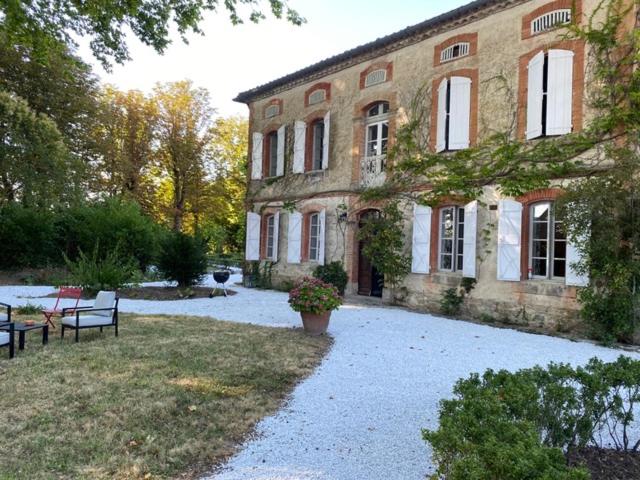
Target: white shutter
{"x":256,"y":159}
{"x":253,"y":236}
{"x":574,"y":255}
{"x":321,"y":236}
{"x":282,"y":141}
{"x":326,"y":140}
{"x":460,"y":113}
{"x":276,"y":235}
{"x":294,"y":238}
{"x":420,"y":251}
{"x":299,"y":139}
{"x":534,"y":96}
{"x":560,"y":92}
{"x":509,"y":240}
{"x":441,"y":141}
{"x":470,"y":240}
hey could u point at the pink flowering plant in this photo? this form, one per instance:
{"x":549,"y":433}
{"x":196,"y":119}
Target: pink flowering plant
{"x":311,"y":295}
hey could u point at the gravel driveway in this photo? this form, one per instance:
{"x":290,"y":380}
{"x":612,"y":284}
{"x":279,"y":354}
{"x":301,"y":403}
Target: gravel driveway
{"x":359,"y":416}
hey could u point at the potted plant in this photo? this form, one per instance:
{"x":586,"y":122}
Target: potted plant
{"x":315,"y":300}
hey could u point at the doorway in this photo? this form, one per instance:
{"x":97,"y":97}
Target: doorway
{"x":370,"y":281}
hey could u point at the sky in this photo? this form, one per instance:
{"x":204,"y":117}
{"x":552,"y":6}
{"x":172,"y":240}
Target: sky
{"x":230,"y":59}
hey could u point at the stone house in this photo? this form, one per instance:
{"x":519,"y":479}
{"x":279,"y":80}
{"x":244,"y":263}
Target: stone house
{"x":319,"y":136}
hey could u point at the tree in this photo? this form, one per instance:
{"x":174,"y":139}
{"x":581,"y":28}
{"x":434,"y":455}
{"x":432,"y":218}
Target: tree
{"x":184,"y":136}
{"x":33,"y":158}
{"x":36,"y":23}
{"x":126,"y":136}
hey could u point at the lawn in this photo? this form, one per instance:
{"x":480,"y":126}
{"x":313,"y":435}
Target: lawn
{"x":169,"y":398}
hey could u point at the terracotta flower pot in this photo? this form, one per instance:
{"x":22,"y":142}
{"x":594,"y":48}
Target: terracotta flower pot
{"x":315,"y":324}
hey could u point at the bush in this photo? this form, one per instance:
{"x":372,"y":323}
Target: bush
{"x":28,"y":238}
{"x":94,"y":273}
{"x":517,"y":425}
{"x":183,"y":259}
{"x":311,"y":295}
{"x":451,"y":302}
{"x":333,"y":273}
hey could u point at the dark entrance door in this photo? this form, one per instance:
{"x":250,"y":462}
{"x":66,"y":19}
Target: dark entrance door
{"x":370,"y":281}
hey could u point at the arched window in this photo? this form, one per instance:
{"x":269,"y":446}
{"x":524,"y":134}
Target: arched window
{"x":377,"y":130}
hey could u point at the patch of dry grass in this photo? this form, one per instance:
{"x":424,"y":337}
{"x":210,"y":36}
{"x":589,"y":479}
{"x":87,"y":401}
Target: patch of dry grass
{"x":169,"y":398}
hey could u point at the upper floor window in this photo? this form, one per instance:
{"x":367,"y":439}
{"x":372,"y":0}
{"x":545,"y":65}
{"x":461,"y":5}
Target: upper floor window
{"x":376,"y":77}
{"x":317,"y":144}
{"x":458,"y":50}
{"x":550,"y":20}
{"x":454,"y":114}
{"x":377,"y":129}
{"x":271,"y":240}
{"x":318,"y":96}
{"x":272,"y":111}
{"x":451,"y":248}
{"x":550,"y":94}
{"x":314,"y":237}
{"x":548,"y":245}
{"x":272,"y":154}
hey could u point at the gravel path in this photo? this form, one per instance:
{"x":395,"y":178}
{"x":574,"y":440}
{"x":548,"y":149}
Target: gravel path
{"x":359,"y":416}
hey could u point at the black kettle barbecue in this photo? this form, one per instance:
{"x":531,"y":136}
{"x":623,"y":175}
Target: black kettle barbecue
{"x":221,"y":277}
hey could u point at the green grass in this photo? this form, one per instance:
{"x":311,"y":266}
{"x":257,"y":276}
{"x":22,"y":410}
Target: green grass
{"x":169,"y":398}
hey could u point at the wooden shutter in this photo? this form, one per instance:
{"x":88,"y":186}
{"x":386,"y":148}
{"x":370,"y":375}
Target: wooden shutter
{"x":282,"y":141}
{"x":276,"y":235}
{"x":322,"y":220}
{"x":575,"y":256}
{"x":253,"y":237}
{"x":326,"y":141}
{"x":294,"y":238}
{"x":420,"y":251}
{"x":534,"y":96}
{"x":460,"y":113}
{"x":299,"y":146}
{"x":441,"y":140}
{"x":256,"y":158}
{"x":470,"y":240}
{"x":509,"y":240}
{"x":560,"y":92}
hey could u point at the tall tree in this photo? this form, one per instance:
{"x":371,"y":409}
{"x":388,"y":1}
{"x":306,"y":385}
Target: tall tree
{"x":126,"y":135}
{"x":34,"y":22}
{"x":33,"y":158}
{"x":184,"y":136}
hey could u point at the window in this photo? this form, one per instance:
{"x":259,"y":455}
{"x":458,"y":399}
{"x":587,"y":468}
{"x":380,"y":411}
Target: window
{"x":314,"y":237}
{"x":451,"y":239}
{"x":375,"y":78}
{"x":318,"y":96}
{"x":454,"y":114}
{"x":458,"y":50}
{"x":272,"y":154}
{"x":550,"y":20}
{"x":317,"y":144}
{"x":548,"y":245}
{"x":550,"y":94}
{"x":271,"y":241}
{"x":377,"y":130}
{"x":272,"y":111}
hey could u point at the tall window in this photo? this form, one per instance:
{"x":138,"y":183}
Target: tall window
{"x":271,"y":241}
{"x":451,"y":239}
{"x":318,"y":144}
{"x":272,"y":154}
{"x":454,"y":114}
{"x":314,"y":237}
{"x":548,"y":245}
{"x":377,"y":130}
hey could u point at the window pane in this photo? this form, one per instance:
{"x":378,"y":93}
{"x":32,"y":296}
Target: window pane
{"x":373,"y":133}
{"x":539,"y":249}
{"x":373,"y":111}
{"x":460,"y":264}
{"x":540,"y":231}
{"x":447,"y":246}
{"x":385,"y":107}
{"x":541,"y":212}
{"x":559,"y":231}
{"x":560,"y":249}
{"x":559,"y":268}
{"x":539,"y":268}
{"x":445,"y":262}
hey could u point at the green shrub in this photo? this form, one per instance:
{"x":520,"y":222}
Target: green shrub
{"x":333,"y":273}
{"x":183,"y":259}
{"x":95,"y":272}
{"x":28,"y":238}
{"x":451,"y":302}
{"x":29,"y":309}
{"x":517,"y":425}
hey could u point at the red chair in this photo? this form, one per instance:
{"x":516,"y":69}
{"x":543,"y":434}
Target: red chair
{"x":71,"y":293}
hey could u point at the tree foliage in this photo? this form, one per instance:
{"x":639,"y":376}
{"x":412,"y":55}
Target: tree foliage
{"x":41,"y":23}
